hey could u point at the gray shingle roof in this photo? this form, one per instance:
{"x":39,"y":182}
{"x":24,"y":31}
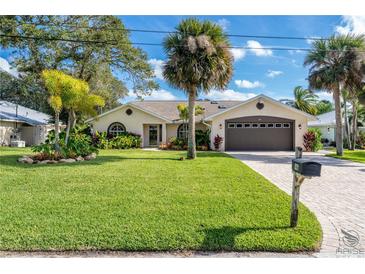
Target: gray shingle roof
{"x":25,"y":115}
{"x":168,"y":109}
{"x":325,"y":119}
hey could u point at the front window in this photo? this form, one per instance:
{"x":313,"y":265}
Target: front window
{"x":182,"y":131}
{"x":116,"y":129}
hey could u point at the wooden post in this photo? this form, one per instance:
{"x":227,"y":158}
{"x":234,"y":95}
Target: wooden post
{"x":297,"y":181}
{"x":298,"y":152}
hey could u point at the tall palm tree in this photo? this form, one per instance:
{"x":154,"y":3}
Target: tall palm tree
{"x":331,"y":63}
{"x":198,"y":60}
{"x":305,"y":100}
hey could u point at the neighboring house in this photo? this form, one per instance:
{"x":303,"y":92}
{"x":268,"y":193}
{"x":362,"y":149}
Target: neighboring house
{"x":326,"y":123}
{"x":18,"y":123}
{"x":260,"y":123}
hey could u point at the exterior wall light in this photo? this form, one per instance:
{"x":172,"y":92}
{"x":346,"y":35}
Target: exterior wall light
{"x":300,"y":126}
{"x":220,"y":126}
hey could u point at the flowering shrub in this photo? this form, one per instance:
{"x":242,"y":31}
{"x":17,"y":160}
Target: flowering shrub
{"x":218,"y":140}
{"x":312,"y":140}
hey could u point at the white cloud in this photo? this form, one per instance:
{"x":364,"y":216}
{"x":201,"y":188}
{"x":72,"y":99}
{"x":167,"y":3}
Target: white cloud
{"x":256,"y":48}
{"x":351,"y":24}
{"x":273,"y":73}
{"x":248,"y":84}
{"x":157,"y":67}
{"x":228,"y":94}
{"x":238,"y":53}
{"x":160,"y":94}
{"x":224,"y":23}
{"x":4,"y":65}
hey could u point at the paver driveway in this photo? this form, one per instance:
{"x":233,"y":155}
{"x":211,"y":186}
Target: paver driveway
{"x":337,"y":197}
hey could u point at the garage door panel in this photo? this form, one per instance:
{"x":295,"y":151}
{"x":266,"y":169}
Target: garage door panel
{"x":277,"y":137}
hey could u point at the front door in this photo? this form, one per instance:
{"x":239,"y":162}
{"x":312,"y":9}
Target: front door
{"x":153,"y":135}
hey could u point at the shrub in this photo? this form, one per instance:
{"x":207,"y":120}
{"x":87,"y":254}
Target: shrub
{"x":360,"y":142}
{"x":79,"y":144}
{"x":123,"y":141}
{"x":218,"y":140}
{"x":202,"y":138}
{"x":312,"y":140}
{"x":178,"y":143}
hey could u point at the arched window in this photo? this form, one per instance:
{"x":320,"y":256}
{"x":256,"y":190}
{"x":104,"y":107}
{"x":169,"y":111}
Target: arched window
{"x":115,"y":129}
{"x":182,"y":131}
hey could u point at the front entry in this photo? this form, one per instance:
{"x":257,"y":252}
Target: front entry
{"x":153,"y":135}
{"x":259,"y":133}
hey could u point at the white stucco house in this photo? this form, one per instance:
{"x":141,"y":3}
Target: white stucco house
{"x":326,"y":123}
{"x":22,"y":125}
{"x":260,"y":123}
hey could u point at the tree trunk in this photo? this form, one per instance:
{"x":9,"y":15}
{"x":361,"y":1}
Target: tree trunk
{"x":68,"y":127}
{"x":191,"y":129}
{"x":73,"y":119}
{"x":339,"y":128}
{"x":354,"y":123}
{"x":347,"y":125}
{"x":57,"y":131}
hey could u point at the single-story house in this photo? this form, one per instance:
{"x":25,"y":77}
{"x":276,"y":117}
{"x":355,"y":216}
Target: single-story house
{"x":326,"y":123}
{"x":260,"y":123}
{"x":18,"y":123}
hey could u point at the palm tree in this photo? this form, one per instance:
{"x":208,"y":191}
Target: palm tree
{"x":331,"y":63}
{"x":305,"y":100}
{"x":198,"y":60}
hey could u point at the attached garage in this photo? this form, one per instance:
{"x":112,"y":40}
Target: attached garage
{"x":259,"y":133}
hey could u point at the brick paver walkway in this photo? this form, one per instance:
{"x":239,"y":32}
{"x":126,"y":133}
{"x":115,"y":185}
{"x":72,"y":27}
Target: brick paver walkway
{"x":337,"y":197}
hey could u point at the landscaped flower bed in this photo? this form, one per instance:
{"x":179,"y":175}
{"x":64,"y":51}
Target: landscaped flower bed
{"x":38,"y":159}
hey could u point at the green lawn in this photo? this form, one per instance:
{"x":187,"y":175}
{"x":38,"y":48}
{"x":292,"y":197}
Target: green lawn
{"x":146,"y":200}
{"x":352,"y":155}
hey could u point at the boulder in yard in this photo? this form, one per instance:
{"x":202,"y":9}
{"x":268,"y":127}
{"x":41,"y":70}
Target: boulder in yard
{"x":43,"y":162}
{"x":79,"y":159}
{"x":52,"y":162}
{"x":90,"y":156}
{"x":70,"y":160}
{"x":25,"y":160}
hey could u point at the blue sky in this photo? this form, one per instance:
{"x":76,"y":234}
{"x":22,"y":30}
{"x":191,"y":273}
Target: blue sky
{"x":274,"y":73}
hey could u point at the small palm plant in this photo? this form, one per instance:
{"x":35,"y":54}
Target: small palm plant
{"x":305,"y":100}
{"x":198,"y":60}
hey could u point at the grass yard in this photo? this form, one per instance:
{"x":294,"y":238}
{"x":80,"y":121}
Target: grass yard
{"x":139,"y":200}
{"x":351,"y":155}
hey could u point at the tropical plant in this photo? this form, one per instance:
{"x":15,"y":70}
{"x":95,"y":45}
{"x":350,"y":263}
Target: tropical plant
{"x":218,"y":140}
{"x":184,"y":113}
{"x":202,"y":138}
{"x":122,"y":141}
{"x":312,"y":140}
{"x":73,"y":95}
{"x":324,"y":106}
{"x":198,"y":60}
{"x":53,"y":80}
{"x":305,"y":100}
{"x":331,"y":65}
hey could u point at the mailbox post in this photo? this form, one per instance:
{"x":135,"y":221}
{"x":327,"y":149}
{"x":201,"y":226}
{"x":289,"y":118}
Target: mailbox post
{"x":302,"y":169}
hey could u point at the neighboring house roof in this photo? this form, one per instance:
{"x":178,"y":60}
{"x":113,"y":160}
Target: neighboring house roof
{"x":167,"y":110}
{"x":325,"y":119}
{"x":8,"y":112}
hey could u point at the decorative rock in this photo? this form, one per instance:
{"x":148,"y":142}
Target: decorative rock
{"x":70,"y":160}
{"x":25,"y":160}
{"x":90,"y":157}
{"x":43,"y":162}
{"x":79,"y":159}
{"x":52,"y":162}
